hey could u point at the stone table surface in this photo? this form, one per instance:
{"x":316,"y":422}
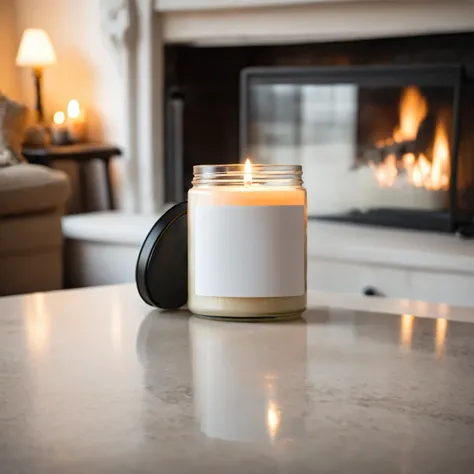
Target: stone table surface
{"x":94,"y":381}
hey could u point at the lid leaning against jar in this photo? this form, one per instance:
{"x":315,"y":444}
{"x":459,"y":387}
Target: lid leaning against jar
{"x":162,"y":267}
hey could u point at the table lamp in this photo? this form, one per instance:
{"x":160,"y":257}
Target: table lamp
{"x":36,"y":51}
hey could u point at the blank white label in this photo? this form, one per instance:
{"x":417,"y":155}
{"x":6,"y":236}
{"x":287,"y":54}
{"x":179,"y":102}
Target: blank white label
{"x":249,"y":251}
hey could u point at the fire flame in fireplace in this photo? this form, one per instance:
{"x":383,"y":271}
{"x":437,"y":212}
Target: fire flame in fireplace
{"x":413,"y":110}
{"x":420,"y":171}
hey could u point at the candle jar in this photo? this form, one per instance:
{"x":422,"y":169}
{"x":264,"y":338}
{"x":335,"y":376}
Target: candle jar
{"x":247,"y":242}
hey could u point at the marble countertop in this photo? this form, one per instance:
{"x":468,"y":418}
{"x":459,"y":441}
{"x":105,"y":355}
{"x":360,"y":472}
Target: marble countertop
{"x":95,"y":381}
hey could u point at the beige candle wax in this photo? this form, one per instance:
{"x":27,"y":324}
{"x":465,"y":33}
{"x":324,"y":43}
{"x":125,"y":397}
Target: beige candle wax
{"x":247,"y":243}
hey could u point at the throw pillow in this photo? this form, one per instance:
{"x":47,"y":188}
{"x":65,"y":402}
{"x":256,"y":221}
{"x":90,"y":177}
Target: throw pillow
{"x":7,"y":158}
{"x":13,"y":121}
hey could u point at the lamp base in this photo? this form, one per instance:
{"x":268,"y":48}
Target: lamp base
{"x":37,"y":77}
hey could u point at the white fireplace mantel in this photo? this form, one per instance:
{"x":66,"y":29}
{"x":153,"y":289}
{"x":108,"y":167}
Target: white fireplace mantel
{"x":277,"y":21}
{"x":138,"y":29}
{"x":180,"y":5}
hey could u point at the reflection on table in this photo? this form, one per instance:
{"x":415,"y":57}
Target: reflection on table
{"x":249,"y":379}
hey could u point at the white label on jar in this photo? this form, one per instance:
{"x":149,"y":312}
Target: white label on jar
{"x":249,"y":251}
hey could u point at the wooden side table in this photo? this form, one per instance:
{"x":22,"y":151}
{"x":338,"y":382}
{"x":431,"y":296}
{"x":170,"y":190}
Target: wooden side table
{"x":81,"y":154}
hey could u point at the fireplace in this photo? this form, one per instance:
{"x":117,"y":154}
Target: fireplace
{"x":381,"y":127}
{"x":378,"y":145}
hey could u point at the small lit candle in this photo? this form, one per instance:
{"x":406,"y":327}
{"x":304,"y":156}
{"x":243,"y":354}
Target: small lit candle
{"x":75,"y":122}
{"x":58,"y":129}
{"x":247,"y":227}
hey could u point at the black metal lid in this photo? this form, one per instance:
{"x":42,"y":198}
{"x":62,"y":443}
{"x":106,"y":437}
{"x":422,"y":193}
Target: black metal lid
{"x":162,"y":266}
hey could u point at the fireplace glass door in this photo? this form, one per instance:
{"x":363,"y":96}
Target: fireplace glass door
{"x":377,"y":145}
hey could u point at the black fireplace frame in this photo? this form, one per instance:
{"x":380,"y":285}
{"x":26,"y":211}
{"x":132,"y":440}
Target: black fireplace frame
{"x":450,"y":75}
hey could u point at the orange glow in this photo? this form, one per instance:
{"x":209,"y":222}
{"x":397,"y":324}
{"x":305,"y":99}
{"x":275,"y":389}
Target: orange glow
{"x":425,"y":166}
{"x":37,"y":323}
{"x":416,"y":177}
{"x":440,"y":168}
{"x":441,"y":329}
{"x":73,"y":109}
{"x":59,"y":118}
{"x":273,"y":419}
{"x":36,"y":49}
{"x":247,"y":173}
{"x":408,"y":160}
{"x":386,"y":174}
{"x":406,"y":330}
{"x":420,"y":171}
{"x":413,"y":110}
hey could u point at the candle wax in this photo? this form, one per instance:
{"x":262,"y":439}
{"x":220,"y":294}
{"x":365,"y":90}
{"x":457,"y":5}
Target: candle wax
{"x":251,"y":195}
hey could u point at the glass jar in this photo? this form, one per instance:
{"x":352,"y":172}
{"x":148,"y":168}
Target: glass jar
{"x":247,"y":241}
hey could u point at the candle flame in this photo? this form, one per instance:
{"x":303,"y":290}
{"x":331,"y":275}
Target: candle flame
{"x":58,"y":118}
{"x":73,"y":109}
{"x":273,"y":419}
{"x":247,"y":173}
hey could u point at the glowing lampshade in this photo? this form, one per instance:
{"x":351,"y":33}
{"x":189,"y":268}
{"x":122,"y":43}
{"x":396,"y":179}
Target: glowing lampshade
{"x":35,"y":49}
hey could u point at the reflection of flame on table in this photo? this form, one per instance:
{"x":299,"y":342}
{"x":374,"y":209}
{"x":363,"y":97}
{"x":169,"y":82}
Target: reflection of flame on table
{"x":406,"y":333}
{"x":249,"y":379}
{"x":273,"y":419}
{"x":420,"y":171}
{"x":406,"y":330}
{"x":37,"y":323}
{"x":441,"y":329}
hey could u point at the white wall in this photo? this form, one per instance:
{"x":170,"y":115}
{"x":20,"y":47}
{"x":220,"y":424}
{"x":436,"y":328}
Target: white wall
{"x":9,"y":77}
{"x":87,"y":68}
